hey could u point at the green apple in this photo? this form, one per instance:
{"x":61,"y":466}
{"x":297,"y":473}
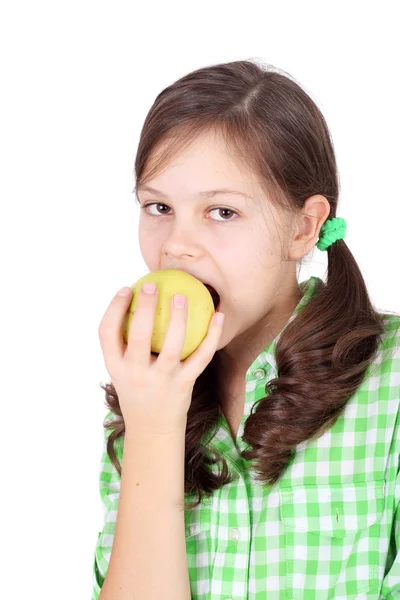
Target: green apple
{"x":200,"y":308}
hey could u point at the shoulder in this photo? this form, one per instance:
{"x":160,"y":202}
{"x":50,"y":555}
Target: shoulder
{"x":382,"y":377}
{"x":392,"y":325}
{"x":389,"y":346}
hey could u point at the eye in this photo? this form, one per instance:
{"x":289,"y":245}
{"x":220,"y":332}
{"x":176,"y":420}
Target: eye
{"x":226,"y":210}
{"x":145,"y":206}
{"x":219,"y":208}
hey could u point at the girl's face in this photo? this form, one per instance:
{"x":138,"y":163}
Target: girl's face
{"x":231,"y":240}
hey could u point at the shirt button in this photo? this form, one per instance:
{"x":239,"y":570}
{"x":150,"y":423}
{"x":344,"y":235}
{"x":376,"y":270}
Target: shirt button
{"x":234,"y":535}
{"x":259,"y":374}
{"x":194,"y":528}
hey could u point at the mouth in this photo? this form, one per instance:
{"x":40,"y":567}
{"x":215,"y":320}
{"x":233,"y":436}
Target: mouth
{"x":215,"y":296}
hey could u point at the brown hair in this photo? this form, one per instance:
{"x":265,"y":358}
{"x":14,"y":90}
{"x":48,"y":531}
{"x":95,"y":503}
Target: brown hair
{"x":279,"y":133}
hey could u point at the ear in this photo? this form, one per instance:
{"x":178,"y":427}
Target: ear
{"x":314,"y":214}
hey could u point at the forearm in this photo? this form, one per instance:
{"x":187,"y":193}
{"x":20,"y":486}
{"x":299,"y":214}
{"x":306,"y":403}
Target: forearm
{"x":148,"y":559}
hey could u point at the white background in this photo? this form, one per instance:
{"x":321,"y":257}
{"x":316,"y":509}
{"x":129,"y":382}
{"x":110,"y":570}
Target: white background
{"x":77,"y":80}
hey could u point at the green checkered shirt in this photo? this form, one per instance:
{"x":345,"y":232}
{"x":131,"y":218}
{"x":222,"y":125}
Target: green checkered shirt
{"x":328,"y":529}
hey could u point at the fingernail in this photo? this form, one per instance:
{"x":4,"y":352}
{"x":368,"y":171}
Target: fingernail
{"x":125,"y":291}
{"x":219,"y":317}
{"x":149,"y":288}
{"x":179,"y":300}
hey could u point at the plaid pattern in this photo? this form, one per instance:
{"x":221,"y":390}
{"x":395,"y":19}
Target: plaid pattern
{"x":328,"y":529}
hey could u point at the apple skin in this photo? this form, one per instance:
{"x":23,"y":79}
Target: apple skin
{"x":200,"y":308}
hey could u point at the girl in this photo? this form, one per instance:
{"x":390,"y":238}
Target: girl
{"x":265,"y":465}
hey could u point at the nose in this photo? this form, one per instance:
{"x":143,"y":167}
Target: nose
{"x":181,"y":242}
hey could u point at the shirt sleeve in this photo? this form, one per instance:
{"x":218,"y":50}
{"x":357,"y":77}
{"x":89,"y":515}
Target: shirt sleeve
{"x":109,"y":486}
{"x":391,"y":583}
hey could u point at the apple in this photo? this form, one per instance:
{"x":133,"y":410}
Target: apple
{"x":200,"y":308}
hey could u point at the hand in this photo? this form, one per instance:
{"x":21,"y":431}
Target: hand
{"x":154,"y":392}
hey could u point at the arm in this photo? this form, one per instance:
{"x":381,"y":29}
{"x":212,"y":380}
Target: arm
{"x":148,"y":558}
{"x":146,"y":552}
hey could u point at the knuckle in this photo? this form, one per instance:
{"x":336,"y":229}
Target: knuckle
{"x":172,"y":355}
{"x":184,"y":385}
{"x":138,"y":335}
{"x":106,"y":323}
{"x":102,"y":332}
{"x":168,"y":364}
{"x":112,"y":369}
{"x":138,"y":380}
{"x":146,"y":299}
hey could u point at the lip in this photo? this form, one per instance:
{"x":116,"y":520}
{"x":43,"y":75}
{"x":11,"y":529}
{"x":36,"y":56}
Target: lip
{"x":210,"y":284}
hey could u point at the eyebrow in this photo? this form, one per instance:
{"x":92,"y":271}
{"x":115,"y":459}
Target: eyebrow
{"x":207,"y":193}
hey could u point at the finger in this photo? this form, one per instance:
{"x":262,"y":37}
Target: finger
{"x":174,"y":341}
{"x":138,"y":351}
{"x":201,"y":357}
{"x":111,"y":341}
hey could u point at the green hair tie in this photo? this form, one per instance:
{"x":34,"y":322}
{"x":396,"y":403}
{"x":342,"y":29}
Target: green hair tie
{"x":330,"y":232}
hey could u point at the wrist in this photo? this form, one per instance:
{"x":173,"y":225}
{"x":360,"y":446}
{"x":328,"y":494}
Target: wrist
{"x":145,"y":434}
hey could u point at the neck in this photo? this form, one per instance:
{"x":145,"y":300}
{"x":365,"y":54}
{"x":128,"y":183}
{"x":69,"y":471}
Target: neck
{"x":235,"y":359}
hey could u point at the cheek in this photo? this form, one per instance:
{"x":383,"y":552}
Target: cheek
{"x":150,"y":256}
{"x":144,"y":246}
{"x":149,"y":243}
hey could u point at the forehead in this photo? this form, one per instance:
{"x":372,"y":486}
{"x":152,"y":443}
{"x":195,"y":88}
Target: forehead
{"x":206,"y":160}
